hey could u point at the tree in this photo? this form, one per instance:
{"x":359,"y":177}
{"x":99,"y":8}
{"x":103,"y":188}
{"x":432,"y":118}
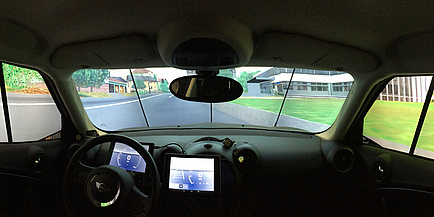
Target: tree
{"x":19,"y":78}
{"x":226,"y":73}
{"x":79,"y":79}
{"x":140,"y":84}
{"x":96,"y":77}
{"x":163,"y":86}
{"x":93,"y":78}
{"x":244,"y":77}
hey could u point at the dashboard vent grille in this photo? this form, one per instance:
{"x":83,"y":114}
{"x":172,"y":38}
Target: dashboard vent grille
{"x":246,"y":158}
{"x":39,"y":163}
{"x":380,"y":171}
{"x":342,"y":158}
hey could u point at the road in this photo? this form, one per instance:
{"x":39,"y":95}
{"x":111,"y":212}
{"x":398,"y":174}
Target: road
{"x":161,"y":110}
{"x":34,"y":117}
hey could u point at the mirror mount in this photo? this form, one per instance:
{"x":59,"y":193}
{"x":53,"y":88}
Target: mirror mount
{"x":207,"y":73}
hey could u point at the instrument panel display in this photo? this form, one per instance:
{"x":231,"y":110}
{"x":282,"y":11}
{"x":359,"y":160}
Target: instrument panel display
{"x":127,"y":158}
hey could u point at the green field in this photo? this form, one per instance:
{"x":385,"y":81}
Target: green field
{"x":397,"y":121}
{"x":393,"y":121}
{"x":320,"y":110}
{"x":93,"y":94}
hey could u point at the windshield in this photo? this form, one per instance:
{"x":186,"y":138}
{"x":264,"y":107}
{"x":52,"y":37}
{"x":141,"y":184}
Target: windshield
{"x":135,"y":98}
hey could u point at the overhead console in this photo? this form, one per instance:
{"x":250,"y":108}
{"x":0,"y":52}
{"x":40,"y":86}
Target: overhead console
{"x":205,"y":44}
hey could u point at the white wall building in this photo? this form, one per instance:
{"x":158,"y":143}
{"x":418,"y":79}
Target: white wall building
{"x":406,"y":89}
{"x":306,"y":82}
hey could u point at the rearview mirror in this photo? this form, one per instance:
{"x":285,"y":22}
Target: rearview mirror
{"x":206,"y":88}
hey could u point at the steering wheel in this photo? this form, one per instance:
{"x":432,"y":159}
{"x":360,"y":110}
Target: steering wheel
{"x":107,"y":190}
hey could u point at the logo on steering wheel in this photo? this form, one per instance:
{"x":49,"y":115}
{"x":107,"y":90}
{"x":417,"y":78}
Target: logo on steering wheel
{"x":101,"y":187}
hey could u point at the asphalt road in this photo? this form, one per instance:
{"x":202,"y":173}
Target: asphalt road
{"x":161,"y":110}
{"x":33,"y":117}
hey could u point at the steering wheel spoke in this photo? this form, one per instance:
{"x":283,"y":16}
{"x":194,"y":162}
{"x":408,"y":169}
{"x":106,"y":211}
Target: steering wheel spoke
{"x":137,"y":194}
{"x":81,"y":172}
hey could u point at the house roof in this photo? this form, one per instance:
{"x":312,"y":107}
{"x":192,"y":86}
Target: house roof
{"x":284,"y":77}
{"x":117,"y":80}
{"x":259,"y":80}
{"x":144,"y":78}
{"x":142,"y":71}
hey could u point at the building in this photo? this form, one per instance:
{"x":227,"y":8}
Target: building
{"x":143,"y":75}
{"x":117,"y":85}
{"x":151,"y":83}
{"x":305,"y":82}
{"x":406,"y":89}
{"x":125,"y":84}
{"x":111,"y":85}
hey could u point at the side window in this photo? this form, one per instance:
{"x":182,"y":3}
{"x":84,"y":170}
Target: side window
{"x":425,"y":142}
{"x":32,"y":113}
{"x":393,"y":119}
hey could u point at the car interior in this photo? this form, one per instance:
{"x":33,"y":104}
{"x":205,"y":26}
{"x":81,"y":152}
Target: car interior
{"x":173,"y":135}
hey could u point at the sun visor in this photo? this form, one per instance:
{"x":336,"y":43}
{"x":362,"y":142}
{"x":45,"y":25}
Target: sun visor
{"x":17,"y":43}
{"x":107,"y":53}
{"x":415,"y":54}
{"x":214,"y":42}
{"x":301,"y":51}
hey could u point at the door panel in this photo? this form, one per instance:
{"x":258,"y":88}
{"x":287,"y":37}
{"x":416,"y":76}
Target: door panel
{"x":404,"y":183}
{"x":31,"y":175}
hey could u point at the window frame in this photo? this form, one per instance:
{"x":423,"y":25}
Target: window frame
{"x":373,"y":97}
{"x":64,"y":117}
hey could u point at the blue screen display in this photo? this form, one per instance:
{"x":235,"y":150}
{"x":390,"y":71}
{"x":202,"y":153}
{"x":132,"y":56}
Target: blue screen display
{"x":191,"y":174}
{"x":127,"y":158}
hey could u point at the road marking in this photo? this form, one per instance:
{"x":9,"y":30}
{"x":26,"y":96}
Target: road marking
{"x":170,"y":96}
{"x":92,"y":107}
{"x":30,"y":104}
{"x":116,"y":104}
{"x":109,"y":105}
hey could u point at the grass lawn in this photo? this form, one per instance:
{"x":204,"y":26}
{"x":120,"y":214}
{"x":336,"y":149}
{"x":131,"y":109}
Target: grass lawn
{"x":320,"y":110}
{"x":397,"y":121}
{"x":128,"y":94}
{"x":93,"y":94}
{"x":133,"y":94}
{"x":393,"y":121}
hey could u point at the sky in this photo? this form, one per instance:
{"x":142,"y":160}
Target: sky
{"x":171,"y":73}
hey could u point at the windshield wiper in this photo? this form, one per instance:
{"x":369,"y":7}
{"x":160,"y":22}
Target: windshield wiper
{"x":284,"y":98}
{"x":138,"y":97}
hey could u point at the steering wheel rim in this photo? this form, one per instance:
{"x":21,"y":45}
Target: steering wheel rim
{"x":79,"y":175}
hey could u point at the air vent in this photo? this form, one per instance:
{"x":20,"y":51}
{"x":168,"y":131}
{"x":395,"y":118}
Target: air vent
{"x":170,"y":148}
{"x":246,"y":157}
{"x":342,"y":158}
{"x":380,"y":171}
{"x":39,"y":163}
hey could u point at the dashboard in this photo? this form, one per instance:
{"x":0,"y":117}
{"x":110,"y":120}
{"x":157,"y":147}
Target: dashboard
{"x":221,"y":172}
